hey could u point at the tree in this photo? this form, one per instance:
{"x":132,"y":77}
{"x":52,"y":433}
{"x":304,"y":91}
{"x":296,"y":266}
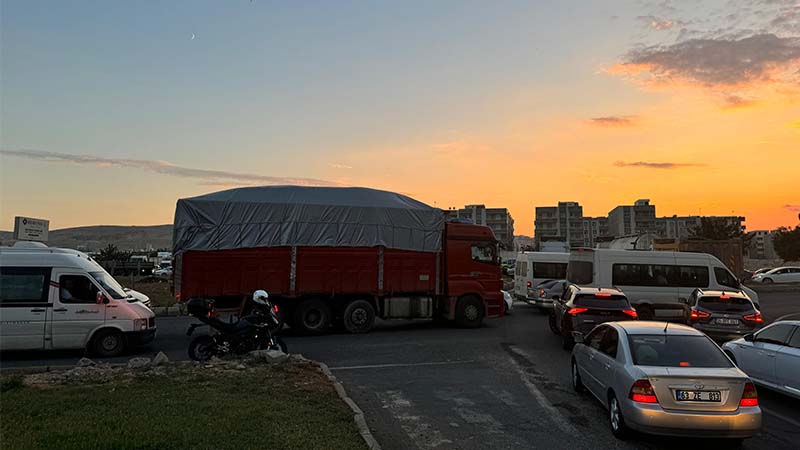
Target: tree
{"x":787,"y":243}
{"x":715,"y":229}
{"x":111,"y":253}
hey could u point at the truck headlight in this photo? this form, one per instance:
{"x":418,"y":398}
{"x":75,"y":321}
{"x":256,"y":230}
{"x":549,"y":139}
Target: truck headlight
{"x":139,"y":324}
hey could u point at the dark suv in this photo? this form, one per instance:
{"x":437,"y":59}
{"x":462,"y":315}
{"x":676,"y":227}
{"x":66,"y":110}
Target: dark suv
{"x":579,"y":310}
{"x":723,"y":315}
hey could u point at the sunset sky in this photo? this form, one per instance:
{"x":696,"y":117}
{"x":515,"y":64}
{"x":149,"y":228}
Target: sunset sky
{"x":111,"y":111}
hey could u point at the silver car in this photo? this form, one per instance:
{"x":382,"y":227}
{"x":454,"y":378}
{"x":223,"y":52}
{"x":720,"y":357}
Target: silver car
{"x":665,"y":379}
{"x":771,"y":356}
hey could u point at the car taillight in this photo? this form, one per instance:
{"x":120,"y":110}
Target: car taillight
{"x":529,"y":284}
{"x":574,"y":311}
{"x":541,"y":292}
{"x":749,"y":396}
{"x":695,"y":314}
{"x":275,"y":308}
{"x":754,"y":318}
{"x":631,"y":312}
{"x":602,"y":294}
{"x":642,"y":391}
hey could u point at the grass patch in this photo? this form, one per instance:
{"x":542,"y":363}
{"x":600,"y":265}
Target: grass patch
{"x":158,"y":290}
{"x":282,"y":406}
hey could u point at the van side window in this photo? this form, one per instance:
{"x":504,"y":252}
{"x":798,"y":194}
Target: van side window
{"x":554,"y":271}
{"x":77,"y":289}
{"x":659,"y":275}
{"x":24,"y":284}
{"x":725,"y":278}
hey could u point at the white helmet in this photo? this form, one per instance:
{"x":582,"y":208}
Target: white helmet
{"x":260,"y":297}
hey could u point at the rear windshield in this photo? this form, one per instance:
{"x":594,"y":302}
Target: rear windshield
{"x":676,"y":351}
{"x":580,"y":272}
{"x":729,"y":304}
{"x":592,"y":301}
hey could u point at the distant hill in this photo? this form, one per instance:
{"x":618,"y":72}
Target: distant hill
{"x":93,"y":238}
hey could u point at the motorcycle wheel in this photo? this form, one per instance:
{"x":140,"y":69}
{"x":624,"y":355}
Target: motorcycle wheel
{"x":201,"y":348}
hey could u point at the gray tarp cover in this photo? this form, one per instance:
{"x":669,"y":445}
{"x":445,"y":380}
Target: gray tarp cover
{"x":271,"y":216}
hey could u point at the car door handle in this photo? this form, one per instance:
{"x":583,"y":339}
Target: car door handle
{"x":38,"y":310}
{"x":60,"y":310}
{"x":608,"y":366}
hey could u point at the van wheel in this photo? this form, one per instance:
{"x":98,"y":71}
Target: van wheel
{"x":645,"y":312}
{"x":469,"y":312}
{"x":108,"y":343}
{"x":359,"y":316}
{"x":313,"y":316}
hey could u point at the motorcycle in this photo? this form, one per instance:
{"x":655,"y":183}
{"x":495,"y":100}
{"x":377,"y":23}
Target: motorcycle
{"x":253,"y":331}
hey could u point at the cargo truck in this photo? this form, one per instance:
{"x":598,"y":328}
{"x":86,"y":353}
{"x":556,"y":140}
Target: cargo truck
{"x":336,"y":256}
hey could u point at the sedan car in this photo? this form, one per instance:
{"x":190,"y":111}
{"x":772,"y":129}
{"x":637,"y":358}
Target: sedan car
{"x":509,"y":301}
{"x":164,"y":272}
{"x":546,"y":293}
{"x":579,"y":310}
{"x":771,"y":357}
{"x":723,"y":315}
{"x":778,"y":275}
{"x":665,"y":379}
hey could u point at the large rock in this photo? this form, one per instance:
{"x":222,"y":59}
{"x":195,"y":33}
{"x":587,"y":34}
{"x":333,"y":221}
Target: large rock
{"x":160,"y":359}
{"x":272,"y":356}
{"x":138,"y":363}
{"x":85,"y":362}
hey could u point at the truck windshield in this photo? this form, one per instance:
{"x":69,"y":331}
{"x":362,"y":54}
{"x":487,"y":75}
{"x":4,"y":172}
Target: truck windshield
{"x":109,"y":284}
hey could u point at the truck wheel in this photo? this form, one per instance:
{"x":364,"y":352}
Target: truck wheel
{"x":645,"y":312}
{"x":108,"y":343}
{"x":469,"y":312}
{"x":313,"y":316}
{"x":359,"y":316}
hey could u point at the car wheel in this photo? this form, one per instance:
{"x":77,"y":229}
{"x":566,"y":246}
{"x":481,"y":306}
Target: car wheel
{"x":108,"y":343}
{"x":645,"y":312}
{"x":469,"y":312}
{"x":552,"y":322}
{"x":359,"y":316}
{"x":767,"y":280}
{"x":577,"y":384}
{"x":201,"y":348}
{"x":313,"y":316}
{"x":615,"y":419}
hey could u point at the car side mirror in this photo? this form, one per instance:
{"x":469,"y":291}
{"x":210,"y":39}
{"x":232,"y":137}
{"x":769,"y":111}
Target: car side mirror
{"x":748,"y":337}
{"x":101,"y":298}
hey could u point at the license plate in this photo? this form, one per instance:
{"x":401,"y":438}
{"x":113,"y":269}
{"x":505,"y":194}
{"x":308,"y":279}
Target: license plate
{"x":727,"y":321}
{"x":698,"y":396}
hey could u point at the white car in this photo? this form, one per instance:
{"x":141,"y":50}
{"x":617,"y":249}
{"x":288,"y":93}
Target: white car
{"x":138,"y":296}
{"x":779,"y":275}
{"x":509,"y":301}
{"x":771,"y":356}
{"x":165,"y":272}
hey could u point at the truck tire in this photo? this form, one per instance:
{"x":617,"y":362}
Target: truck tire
{"x":108,"y":343}
{"x":469,"y":312}
{"x":359,"y":316}
{"x":312,"y":316}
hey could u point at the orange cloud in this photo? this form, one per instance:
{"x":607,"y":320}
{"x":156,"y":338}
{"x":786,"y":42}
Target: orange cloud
{"x":614,"y":121}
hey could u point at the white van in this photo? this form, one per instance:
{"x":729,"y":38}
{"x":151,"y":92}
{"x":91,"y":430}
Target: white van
{"x":534,"y":268}
{"x":52,"y":298}
{"x":658,"y":284}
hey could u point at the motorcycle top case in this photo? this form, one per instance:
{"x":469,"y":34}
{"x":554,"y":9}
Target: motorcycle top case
{"x":199,"y":306}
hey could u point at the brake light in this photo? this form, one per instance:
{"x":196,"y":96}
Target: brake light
{"x":574,"y":311}
{"x":724,"y":297}
{"x":529,"y":284}
{"x":541,"y":292}
{"x":684,"y":364}
{"x":754,"y":318}
{"x":602,"y":294}
{"x":275,"y":308}
{"x":749,"y":396}
{"x":642,"y":391}
{"x":696,"y":314}
{"x":631,"y":312}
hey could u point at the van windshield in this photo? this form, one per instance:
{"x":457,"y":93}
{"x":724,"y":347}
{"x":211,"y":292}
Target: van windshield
{"x":109,"y":284}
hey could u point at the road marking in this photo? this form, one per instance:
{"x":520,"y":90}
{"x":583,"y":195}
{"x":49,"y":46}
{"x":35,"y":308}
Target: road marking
{"x":383,"y":366}
{"x":422,"y":434}
{"x":553,"y":413}
{"x":782,"y":417}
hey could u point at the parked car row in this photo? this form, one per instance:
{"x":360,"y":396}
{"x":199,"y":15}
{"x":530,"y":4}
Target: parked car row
{"x":777,"y":275}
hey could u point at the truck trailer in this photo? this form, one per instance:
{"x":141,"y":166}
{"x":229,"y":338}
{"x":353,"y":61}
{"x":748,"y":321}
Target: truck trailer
{"x":335,"y":256}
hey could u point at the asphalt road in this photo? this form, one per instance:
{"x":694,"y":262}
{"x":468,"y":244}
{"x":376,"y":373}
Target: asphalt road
{"x":506,"y":385}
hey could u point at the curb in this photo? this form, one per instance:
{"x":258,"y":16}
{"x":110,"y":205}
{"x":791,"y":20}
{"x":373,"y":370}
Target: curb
{"x":358,"y":414}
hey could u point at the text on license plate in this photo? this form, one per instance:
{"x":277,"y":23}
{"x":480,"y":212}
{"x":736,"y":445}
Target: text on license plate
{"x":698,"y":396}
{"x":727,"y":321}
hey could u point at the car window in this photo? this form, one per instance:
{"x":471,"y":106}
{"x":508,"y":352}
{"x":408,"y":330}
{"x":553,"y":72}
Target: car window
{"x":601,"y":301}
{"x":664,"y":350}
{"x":77,"y":289}
{"x":794,"y":341}
{"x":483,"y":253}
{"x":594,"y":338}
{"x":24,"y":284}
{"x":725,"y":278}
{"x":609,"y":343}
{"x":719,"y":303}
{"x":775,"y":334}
